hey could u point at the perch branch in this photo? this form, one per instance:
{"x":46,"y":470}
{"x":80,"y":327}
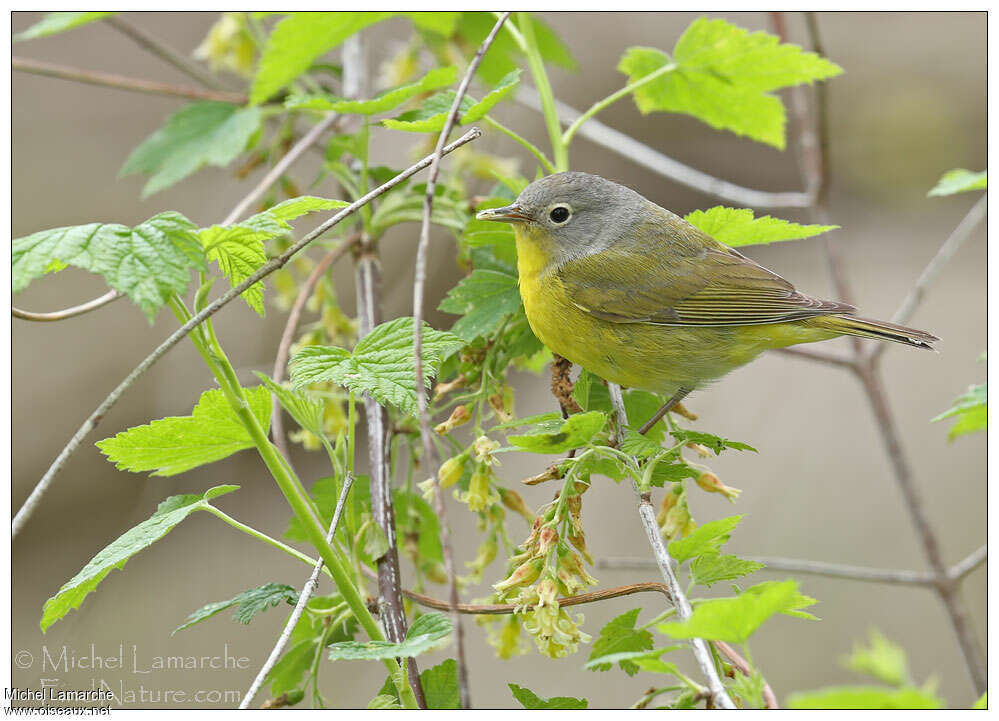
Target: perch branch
{"x":120,"y":82}
{"x":419,"y":283}
{"x":24,"y":513}
{"x":303,"y":599}
{"x":66,"y":312}
{"x":665,"y":563}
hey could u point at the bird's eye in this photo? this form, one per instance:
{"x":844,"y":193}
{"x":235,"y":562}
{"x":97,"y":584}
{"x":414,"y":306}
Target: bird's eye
{"x":559,"y":214}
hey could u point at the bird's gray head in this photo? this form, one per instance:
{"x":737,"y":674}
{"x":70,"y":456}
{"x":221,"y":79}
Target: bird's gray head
{"x":574,"y":214}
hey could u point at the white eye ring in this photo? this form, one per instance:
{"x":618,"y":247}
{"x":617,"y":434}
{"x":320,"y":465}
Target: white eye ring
{"x":560,"y":214}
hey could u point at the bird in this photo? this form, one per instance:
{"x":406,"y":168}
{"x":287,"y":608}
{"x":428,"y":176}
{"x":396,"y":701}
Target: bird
{"x":638,"y":296}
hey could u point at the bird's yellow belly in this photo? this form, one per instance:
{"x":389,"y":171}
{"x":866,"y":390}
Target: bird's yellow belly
{"x":639,"y":355}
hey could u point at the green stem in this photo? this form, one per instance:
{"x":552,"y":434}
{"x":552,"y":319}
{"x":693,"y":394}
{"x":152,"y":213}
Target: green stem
{"x":613,"y":98}
{"x":544,"y":87}
{"x":535,"y":151}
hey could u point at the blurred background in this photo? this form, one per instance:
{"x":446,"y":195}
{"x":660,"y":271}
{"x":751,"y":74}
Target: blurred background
{"x":911,"y":105}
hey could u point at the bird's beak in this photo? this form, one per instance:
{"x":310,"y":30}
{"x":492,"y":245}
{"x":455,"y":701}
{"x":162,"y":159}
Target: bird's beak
{"x":507,"y":214}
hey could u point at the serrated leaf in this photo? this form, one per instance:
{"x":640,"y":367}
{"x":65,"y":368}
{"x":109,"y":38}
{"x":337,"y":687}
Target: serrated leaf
{"x":306,"y":410}
{"x":708,"y":538}
{"x":179,"y":443}
{"x":381,"y":364}
{"x":432,"y":114}
{"x":709,"y":568}
{"x":504,"y":87}
{"x":148,"y":263}
{"x":881,"y":659}
{"x":298,"y":40}
{"x":54,"y":23}
{"x":440,"y":685}
{"x":618,"y":636}
{"x":288,"y":673}
{"x":591,"y":393}
{"x":724,"y":76}
{"x":115,"y":555}
{"x":559,"y":436}
{"x":530,"y":700}
{"x":710,"y":440}
{"x":971,"y":410}
{"x":384,"y":701}
{"x":960,"y":180}
{"x":749,"y":688}
{"x":249,"y":603}
{"x":381,"y":103}
{"x":736,"y":619}
{"x":865,"y":697}
{"x":484,"y":299}
{"x":427,"y":632}
{"x":635,"y":444}
{"x":737,"y":227}
{"x":202,"y":134}
{"x":637,"y":660}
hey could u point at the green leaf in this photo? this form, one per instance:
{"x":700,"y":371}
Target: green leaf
{"x":635,"y":660}
{"x":503,"y":55}
{"x":441,"y":23}
{"x":982,"y":703}
{"x":960,"y":180}
{"x":971,"y":411}
{"x":484,"y":299}
{"x":635,"y":444}
{"x":427,"y":632}
{"x":710,"y":440}
{"x":381,"y":364}
{"x":300,"y":39}
{"x":415,"y":515}
{"x":618,"y":636}
{"x":440,"y":685}
{"x":530,"y":700}
{"x":749,"y":688}
{"x":148,"y":263}
{"x":708,"y":538}
{"x":54,"y":23}
{"x":288,"y":673}
{"x":736,"y":619}
{"x":864,"y":697}
{"x":168,"y":514}
{"x":881,"y":659}
{"x":384,"y":701}
{"x":249,"y":604}
{"x":202,"y":134}
{"x":381,"y":103}
{"x":179,"y":443}
{"x":724,"y":76}
{"x":736,"y":227}
{"x":710,"y":568}
{"x":432,"y":114}
{"x":306,"y":410}
{"x":239,"y":249}
{"x":562,"y":435}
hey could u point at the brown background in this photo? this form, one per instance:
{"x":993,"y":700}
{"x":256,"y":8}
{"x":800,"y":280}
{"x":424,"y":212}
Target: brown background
{"x":911,"y":105}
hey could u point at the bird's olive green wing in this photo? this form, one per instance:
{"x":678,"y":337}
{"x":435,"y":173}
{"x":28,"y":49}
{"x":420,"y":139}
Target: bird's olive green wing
{"x":685,"y":285}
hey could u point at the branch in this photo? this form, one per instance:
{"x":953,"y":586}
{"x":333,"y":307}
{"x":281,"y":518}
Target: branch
{"x":164,"y":52}
{"x":665,"y":563}
{"x":108,"y":80}
{"x":665,"y":166}
{"x":66,"y":312}
{"x":972,"y":561}
{"x":418,"y":292}
{"x":950,"y":246}
{"x":303,"y":599}
{"x":820,"y":357}
{"x":288,"y":336}
{"x":91,"y":422}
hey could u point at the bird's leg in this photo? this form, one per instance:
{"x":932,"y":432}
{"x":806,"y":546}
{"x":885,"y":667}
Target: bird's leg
{"x":666,"y":407}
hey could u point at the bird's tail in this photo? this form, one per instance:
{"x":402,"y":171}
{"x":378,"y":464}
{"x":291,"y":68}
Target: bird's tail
{"x":877,"y":329}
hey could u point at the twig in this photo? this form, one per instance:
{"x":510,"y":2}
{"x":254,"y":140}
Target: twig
{"x":769,"y":697}
{"x":820,"y":356}
{"x":164,"y":52}
{"x":665,"y":563}
{"x":24,"y":513}
{"x":303,"y":599}
{"x":120,"y":82}
{"x":653,"y":160}
{"x":950,"y":246}
{"x":288,"y":336}
{"x":66,"y":312}
{"x":972,"y":561}
{"x":418,"y":291}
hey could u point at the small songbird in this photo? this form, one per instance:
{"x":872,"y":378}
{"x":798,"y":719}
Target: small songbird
{"x":638,"y":296}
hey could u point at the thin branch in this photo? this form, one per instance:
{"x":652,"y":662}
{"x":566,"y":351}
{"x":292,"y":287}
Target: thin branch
{"x":665,"y":563}
{"x":663,"y":165}
{"x":950,"y":246}
{"x":419,"y":283}
{"x":972,"y":561}
{"x":288,"y":336}
{"x":121,"y":82}
{"x":820,"y":357}
{"x":66,"y":312}
{"x":24,"y":513}
{"x":164,"y":52}
{"x":303,"y":599}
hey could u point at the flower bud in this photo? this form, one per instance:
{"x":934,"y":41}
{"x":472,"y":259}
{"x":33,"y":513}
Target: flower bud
{"x":513,"y":501}
{"x":459,"y":416}
{"x":483,"y":449}
{"x":712,"y":484}
{"x":501,"y":402}
{"x":547,"y":540}
{"x":524,"y":575}
{"x":451,"y":470}
{"x":443,"y":389}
